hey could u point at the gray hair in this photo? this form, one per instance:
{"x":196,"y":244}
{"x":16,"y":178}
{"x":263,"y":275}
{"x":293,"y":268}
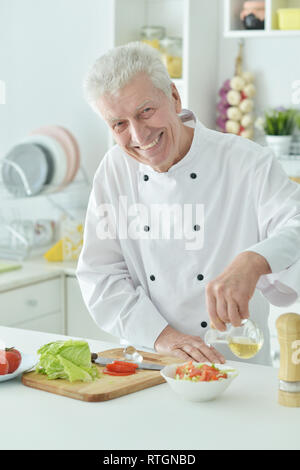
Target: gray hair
{"x":120,"y":65}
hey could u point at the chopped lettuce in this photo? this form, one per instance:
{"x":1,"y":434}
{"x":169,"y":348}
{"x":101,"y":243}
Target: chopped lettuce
{"x":70,"y":360}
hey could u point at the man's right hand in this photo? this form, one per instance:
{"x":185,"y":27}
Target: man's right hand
{"x":173,"y":343}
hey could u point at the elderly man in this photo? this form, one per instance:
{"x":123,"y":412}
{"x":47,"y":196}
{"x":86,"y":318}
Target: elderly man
{"x":227,"y":241}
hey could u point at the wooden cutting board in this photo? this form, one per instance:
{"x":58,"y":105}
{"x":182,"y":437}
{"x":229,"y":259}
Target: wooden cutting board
{"x":106,"y":387}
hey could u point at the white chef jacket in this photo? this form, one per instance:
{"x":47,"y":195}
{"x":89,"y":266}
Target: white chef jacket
{"x":133,"y":288}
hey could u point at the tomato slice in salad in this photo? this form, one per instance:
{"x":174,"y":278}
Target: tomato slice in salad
{"x":199,"y":372}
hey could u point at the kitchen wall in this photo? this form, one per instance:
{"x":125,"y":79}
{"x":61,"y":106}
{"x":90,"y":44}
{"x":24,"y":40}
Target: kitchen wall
{"x":46,"y":48}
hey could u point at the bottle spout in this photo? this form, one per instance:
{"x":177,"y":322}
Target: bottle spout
{"x":214,"y":336}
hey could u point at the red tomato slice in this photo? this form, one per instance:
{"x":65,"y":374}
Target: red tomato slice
{"x":111,"y":372}
{"x":207,"y":367}
{"x":205,"y":373}
{"x":185,"y":368}
{"x":195,"y":372}
{"x":119,"y":368}
{"x":128,"y":364}
{"x":222,"y":376}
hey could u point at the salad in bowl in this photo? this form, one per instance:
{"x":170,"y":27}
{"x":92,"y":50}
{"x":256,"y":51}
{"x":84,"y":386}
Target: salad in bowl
{"x":196,"y":381}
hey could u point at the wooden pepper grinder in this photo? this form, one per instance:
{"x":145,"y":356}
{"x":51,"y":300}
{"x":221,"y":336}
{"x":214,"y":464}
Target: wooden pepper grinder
{"x":288,"y":328}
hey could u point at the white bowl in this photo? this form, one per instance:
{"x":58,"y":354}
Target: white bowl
{"x":198,"y":391}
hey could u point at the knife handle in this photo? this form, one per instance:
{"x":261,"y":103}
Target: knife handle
{"x":94,"y":356}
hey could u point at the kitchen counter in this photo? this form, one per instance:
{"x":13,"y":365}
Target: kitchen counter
{"x":65,"y":267}
{"x":34,"y":270}
{"x":246,"y":416}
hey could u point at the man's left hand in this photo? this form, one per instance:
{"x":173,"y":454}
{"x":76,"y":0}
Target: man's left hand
{"x":228,"y":296}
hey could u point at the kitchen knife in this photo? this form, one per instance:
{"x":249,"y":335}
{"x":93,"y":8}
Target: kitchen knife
{"x":143,"y":365}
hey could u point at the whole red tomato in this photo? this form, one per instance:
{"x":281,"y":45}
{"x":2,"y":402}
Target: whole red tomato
{"x":3,"y":363}
{"x":14,"y":358}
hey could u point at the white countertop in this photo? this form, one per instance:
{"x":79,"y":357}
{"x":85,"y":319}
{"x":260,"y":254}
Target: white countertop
{"x":34,"y":270}
{"x":246,"y":416}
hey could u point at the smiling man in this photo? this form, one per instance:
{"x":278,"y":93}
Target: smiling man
{"x":227,"y":194}
{"x":148,"y":128}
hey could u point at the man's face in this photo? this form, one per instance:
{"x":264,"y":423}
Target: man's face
{"x":145,"y":123}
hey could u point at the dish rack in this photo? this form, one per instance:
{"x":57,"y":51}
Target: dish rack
{"x":21,"y":237}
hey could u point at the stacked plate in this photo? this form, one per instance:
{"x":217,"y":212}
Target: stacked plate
{"x":44,"y":162}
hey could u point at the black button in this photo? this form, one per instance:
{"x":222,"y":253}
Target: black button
{"x":146,"y":177}
{"x":152,"y":278}
{"x":204,"y":324}
{"x":193,"y":176}
{"x":146,"y":228}
{"x":200,"y":277}
{"x":196,"y":228}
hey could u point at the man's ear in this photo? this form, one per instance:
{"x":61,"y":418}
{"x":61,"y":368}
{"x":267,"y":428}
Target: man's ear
{"x":176,"y":99}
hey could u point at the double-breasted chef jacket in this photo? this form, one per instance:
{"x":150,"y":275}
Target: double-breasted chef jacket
{"x":242,"y":200}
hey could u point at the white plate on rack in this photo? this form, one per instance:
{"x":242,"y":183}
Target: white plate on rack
{"x":50,"y":163}
{"x":69,"y":144}
{"x":59,"y":159}
{"x":76,"y":151}
{"x":24,"y":170}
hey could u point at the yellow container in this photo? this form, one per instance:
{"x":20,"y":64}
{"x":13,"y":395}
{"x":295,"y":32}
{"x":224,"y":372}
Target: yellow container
{"x":289,"y":18}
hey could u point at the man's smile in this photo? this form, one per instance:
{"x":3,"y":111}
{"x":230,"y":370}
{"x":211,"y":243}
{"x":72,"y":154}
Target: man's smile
{"x":152,"y":144}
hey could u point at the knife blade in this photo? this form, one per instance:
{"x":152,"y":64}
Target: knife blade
{"x":103,"y":361}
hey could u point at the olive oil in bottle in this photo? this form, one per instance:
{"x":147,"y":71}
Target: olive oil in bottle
{"x":243,"y":347}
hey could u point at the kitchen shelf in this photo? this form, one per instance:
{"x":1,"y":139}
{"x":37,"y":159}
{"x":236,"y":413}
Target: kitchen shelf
{"x":193,"y":20}
{"x":171,"y":14}
{"x":233,"y":26}
{"x":261,"y":34}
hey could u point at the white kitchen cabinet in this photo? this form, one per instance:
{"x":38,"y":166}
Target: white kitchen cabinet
{"x":46,"y":297}
{"x":52,"y":323}
{"x":37,"y":306}
{"x":233,"y":26}
{"x":193,"y":20}
{"x":78,"y":320}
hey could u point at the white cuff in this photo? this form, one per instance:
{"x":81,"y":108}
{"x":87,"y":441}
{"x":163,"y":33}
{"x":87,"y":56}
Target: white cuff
{"x":283,"y":288}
